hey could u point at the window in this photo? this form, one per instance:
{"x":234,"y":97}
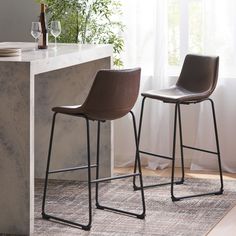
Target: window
{"x":185,"y":23}
{"x":174,"y":28}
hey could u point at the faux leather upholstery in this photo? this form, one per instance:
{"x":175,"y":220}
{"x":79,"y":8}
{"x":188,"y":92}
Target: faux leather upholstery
{"x":196,"y":82}
{"x":112,"y":95}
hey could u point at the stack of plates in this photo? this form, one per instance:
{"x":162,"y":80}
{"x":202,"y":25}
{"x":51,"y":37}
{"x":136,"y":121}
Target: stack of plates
{"x":10,"y":52}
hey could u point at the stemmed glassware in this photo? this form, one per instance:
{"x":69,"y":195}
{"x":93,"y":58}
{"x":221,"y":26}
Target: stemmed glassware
{"x":35,"y":31}
{"x":55,"y":30}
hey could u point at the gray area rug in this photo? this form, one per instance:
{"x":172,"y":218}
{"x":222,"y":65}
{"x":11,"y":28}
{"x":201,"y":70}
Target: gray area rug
{"x":195,"y":217}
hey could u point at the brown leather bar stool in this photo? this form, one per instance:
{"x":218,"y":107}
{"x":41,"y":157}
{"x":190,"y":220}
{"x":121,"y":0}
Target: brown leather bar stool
{"x":112,"y":96}
{"x":196,"y":83}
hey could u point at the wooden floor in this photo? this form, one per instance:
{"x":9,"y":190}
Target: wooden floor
{"x":188,"y":173}
{"x":227,"y":225}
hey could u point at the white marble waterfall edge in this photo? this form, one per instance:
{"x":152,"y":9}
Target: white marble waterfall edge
{"x":15,"y":161}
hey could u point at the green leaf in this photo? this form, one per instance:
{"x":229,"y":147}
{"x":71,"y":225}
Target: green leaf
{"x":89,"y":21}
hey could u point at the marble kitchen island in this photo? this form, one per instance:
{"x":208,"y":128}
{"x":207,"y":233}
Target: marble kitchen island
{"x":31,"y":84}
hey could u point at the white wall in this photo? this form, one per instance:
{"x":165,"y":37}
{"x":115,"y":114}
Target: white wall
{"x":15,"y":19}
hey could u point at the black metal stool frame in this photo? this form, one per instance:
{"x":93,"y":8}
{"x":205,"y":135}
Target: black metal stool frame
{"x":178,"y":114}
{"x":96,"y":181}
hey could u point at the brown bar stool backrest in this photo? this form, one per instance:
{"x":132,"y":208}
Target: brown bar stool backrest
{"x":199,"y":80}
{"x":113,"y":94}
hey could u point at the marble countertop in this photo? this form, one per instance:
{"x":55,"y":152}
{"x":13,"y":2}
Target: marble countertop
{"x":64,"y":55}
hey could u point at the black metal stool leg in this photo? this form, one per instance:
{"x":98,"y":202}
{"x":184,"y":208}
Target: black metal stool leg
{"x":139,"y":173}
{"x":173,"y":154}
{"x":181,"y":144}
{"x":47,"y":169}
{"x":152,"y":154}
{"x":174,"y":198}
{"x":88,"y":226}
{"x":217,"y":147}
{"x":97,"y":168}
{"x":137,"y":159}
{"x":49,"y":216}
{"x":138,"y":140}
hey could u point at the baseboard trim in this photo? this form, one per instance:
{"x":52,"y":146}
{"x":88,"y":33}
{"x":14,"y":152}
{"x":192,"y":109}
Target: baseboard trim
{"x":130,"y":163}
{"x":187,"y":162}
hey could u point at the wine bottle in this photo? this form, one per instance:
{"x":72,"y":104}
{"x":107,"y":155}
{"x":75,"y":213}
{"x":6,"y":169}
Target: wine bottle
{"x":43,"y":39}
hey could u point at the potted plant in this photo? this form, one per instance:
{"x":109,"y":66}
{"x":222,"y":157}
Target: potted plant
{"x":89,"y":21}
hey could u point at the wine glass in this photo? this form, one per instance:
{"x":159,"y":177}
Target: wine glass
{"x":35,"y":31}
{"x":55,"y":30}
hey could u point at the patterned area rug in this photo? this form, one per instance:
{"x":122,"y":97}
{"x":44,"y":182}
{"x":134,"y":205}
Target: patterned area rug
{"x":195,"y":217}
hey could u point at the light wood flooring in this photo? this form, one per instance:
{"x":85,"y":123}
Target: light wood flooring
{"x":188,"y":173}
{"x":227,"y":225}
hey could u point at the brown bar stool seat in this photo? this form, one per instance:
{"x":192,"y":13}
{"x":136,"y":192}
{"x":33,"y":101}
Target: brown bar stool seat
{"x":112,"y":96}
{"x":196,"y":83}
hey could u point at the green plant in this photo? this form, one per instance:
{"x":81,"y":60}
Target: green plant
{"x":89,"y":21}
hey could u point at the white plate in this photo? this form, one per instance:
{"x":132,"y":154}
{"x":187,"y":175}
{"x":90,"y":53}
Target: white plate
{"x":7,"y":49}
{"x":10,"y":52}
{"x":10,"y":55}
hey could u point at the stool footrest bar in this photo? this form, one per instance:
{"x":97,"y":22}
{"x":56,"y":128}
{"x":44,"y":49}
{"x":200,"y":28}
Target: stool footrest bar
{"x":201,"y":150}
{"x":155,"y":155}
{"x":115,"y":177}
{"x":70,"y":169}
{"x":156,"y":185}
